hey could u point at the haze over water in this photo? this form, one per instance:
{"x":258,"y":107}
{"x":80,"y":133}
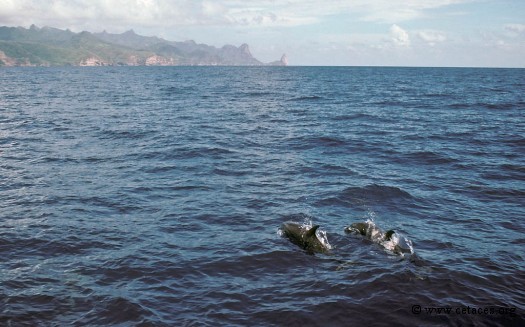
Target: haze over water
{"x":153,"y":195}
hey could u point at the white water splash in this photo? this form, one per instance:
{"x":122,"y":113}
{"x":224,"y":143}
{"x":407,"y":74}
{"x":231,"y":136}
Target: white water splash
{"x":321,"y":236}
{"x":398,"y":244}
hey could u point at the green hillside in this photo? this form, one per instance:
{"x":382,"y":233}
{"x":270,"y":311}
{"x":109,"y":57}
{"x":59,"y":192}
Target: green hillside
{"x":40,"y":54}
{"x":49,"y":46}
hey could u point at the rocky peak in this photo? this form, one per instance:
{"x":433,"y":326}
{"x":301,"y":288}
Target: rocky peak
{"x":51,"y":46}
{"x":245,"y":49}
{"x":284,"y":60}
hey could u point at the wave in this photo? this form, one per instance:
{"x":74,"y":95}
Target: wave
{"x":186,"y":152}
{"x":256,"y":94}
{"x":187,"y":188}
{"x":514,"y":169}
{"x":519,"y":142}
{"x":460,"y":105}
{"x":506,"y":173}
{"x":370,"y":194}
{"x":328,"y":141}
{"x":375,"y":191}
{"x":502,"y":106}
{"x":113,"y":134}
{"x":115,"y":310}
{"x":490,"y":106}
{"x":429,"y":157}
{"x":496,"y":194}
{"x":327,"y":169}
{"x":71,"y":245}
{"x":356,"y":116}
{"x":437,"y":95}
{"x":303,"y":143}
{"x":306,"y":98}
{"x":229,"y":172}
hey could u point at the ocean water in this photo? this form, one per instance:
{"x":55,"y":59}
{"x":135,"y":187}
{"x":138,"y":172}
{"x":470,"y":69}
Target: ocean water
{"x":137,"y":196}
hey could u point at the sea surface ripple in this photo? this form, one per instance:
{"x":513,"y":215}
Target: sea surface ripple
{"x":153,"y":196}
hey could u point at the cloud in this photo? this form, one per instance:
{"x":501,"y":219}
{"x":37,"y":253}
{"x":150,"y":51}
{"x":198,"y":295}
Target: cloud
{"x":432,"y":37}
{"x":516,"y":28}
{"x":399,"y":36}
{"x":170,"y":13}
{"x":266,"y":16}
{"x":102,"y":13}
{"x":392,"y":11}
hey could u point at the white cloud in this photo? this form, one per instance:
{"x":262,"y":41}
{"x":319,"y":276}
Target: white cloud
{"x":212,"y":9}
{"x":394,"y":15}
{"x":165,"y":13}
{"x":394,"y":11}
{"x":399,"y":36}
{"x":265,"y":17}
{"x":517,"y":28}
{"x":432,"y":37}
{"x":310,"y":11}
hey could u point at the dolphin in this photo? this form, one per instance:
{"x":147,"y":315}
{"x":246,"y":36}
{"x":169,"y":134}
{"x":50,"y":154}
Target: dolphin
{"x":368,"y":229}
{"x":360,"y":228}
{"x":305,"y":237}
{"x":390,"y":240}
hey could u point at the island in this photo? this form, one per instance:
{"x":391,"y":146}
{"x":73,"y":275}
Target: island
{"x":48,"y":46}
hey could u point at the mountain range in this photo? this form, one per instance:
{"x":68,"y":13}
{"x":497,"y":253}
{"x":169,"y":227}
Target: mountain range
{"x":48,"y":46}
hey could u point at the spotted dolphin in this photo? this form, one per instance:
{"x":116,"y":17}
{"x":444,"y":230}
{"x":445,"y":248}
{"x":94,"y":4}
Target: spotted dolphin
{"x":390,"y":240}
{"x":306,"y":237}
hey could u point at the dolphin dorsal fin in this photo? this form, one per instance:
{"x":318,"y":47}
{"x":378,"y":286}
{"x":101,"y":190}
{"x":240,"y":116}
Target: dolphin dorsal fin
{"x":388,"y":235}
{"x":311,"y":231}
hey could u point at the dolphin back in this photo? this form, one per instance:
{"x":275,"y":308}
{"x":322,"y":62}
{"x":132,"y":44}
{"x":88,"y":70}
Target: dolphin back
{"x":304,"y":237}
{"x":311,"y":231}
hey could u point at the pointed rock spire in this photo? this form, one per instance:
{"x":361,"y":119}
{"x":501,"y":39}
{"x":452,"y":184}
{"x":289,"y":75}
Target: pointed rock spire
{"x":284,"y":60}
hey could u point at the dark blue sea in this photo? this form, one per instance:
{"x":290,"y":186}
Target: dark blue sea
{"x":153,"y":196}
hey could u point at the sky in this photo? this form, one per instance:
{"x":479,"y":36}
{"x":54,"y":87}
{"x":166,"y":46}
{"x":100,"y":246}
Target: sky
{"x":479,"y":33}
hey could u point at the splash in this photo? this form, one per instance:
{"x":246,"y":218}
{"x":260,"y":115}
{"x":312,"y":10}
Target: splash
{"x":321,"y":236}
{"x":307,"y":222}
{"x":398,"y":244}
